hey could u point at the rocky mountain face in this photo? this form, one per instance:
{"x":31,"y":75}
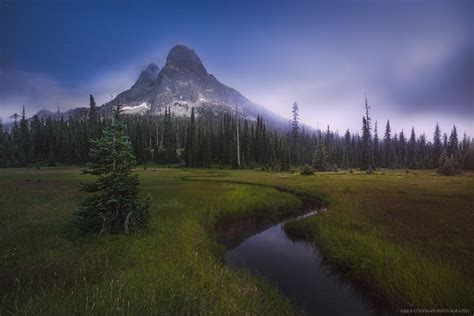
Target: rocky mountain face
{"x":181,"y":84}
{"x":184,"y":83}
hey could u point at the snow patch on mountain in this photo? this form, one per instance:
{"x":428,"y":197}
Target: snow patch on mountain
{"x":139,"y":109}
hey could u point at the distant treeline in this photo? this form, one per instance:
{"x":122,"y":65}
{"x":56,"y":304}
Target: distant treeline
{"x":205,"y":139}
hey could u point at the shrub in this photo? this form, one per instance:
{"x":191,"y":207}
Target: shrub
{"x":370,"y":170}
{"x":284,"y":167}
{"x":448,"y":166}
{"x":307,"y":171}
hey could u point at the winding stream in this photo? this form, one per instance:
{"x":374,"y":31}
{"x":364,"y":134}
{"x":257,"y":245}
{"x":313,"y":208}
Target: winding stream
{"x":298,"y":270}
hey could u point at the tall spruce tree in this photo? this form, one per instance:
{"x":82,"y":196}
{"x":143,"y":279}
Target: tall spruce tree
{"x":437,"y":146}
{"x":93,"y":115}
{"x":367,"y":158}
{"x":114,"y":206}
{"x":411,"y":151}
{"x":388,"y":147}
{"x":295,"y":120}
{"x":347,"y":151}
{"x":366,"y":148}
{"x":190,"y":150}
{"x":402,"y":150}
{"x":3,"y":146}
{"x":24,"y":140}
{"x":376,"y":147}
{"x":320,"y":157}
{"x":237,"y":135}
{"x":423,"y":159}
{"x":453,"y":143}
{"x":445,"y":141}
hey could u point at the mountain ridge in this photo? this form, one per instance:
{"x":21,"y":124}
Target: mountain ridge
{"x":181,"y":84}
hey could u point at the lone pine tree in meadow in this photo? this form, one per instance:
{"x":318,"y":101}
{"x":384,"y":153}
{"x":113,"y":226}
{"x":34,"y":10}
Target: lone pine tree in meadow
{"x":114,"y":206}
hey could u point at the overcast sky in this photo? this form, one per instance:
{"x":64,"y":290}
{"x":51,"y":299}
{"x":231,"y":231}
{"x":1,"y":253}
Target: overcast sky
{"x":414,"y":59}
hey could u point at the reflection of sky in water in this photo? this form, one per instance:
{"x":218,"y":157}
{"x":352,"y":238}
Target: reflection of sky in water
{"x":297,"y":270}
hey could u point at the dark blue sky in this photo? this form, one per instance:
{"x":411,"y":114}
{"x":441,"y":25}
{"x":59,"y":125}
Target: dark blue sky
{"x":415,"y":59}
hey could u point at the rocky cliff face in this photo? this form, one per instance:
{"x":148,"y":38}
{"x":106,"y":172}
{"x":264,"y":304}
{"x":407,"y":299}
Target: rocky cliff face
{"x":184,"y":83}
{"x":181,"y":84}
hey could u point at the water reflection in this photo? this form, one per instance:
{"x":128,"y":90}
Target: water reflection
{"x":300,"y":272}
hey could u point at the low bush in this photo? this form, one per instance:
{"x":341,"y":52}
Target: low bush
{"x":449,"y":166}
{"x":307,"y":171}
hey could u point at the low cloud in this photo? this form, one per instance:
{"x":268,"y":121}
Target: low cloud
{"x":34,"y":91}
{"x":426,"y":80}
{"x":37,"y":91}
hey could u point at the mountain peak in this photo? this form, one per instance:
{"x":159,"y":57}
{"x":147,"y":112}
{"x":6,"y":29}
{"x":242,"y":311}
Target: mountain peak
{"x":148,"y":75}
{"x":184,"y":58}
{"x":153,"y":68}
{"x":184,"y":83}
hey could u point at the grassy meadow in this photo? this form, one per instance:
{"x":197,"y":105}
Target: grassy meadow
{"x":407,"y":236}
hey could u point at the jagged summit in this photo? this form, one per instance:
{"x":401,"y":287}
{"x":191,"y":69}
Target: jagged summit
{"x":152,"y":68}
{"x":184,"y":83}
{"x":184,"y":58}
{"x":150,"y":72}
{"x":148,"y":76}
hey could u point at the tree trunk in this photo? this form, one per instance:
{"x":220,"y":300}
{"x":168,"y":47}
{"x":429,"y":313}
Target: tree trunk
{"x":126,"y":229}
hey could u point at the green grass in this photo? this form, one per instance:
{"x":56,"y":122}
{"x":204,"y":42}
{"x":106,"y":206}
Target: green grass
{"x":409,"y":236}
{"x":171,"y":268}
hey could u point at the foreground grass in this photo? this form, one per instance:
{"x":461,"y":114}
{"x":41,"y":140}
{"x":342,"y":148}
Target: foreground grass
{"x":408,"y":236}
{"x":171,"y":268}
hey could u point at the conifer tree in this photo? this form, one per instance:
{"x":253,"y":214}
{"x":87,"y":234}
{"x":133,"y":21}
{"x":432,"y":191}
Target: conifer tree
{"x":367,"y":158}
{"x":60,"y":139}
{"x":388,"y":147}
{"x":423,"y":159}
{"x":114,"y":206}
{"x":448,"y":165}
{"x":376,"y":147}
{"x":402,"y":150}
{"x":366,"y":150}
{"x":437,"y":146}
{"x":453,"y":143}
{"x":191,"y":142}
{"x":3,"y":146}
{"x":93,"y":115}
{"x":320,"y":157}
{"x":24,"y":140}
{"x":445,"y":141}
{"x":237,"y":132}
{"x":347,"y":151}
{"x":411,"y":151}
{"x":295,"y":119}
